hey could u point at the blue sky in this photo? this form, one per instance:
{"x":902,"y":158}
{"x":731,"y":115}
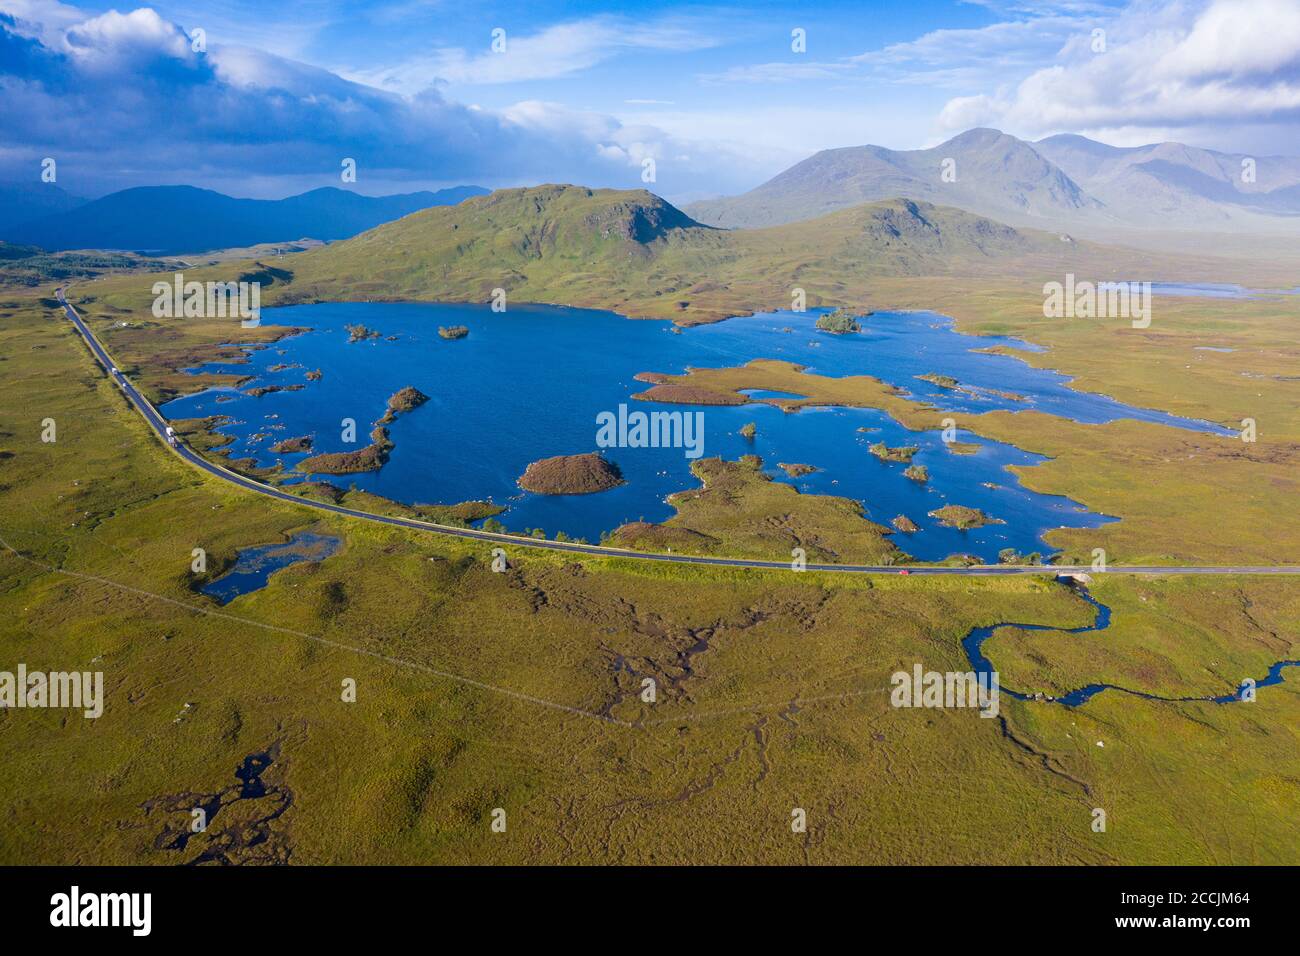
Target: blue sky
{"x":586,"y":91}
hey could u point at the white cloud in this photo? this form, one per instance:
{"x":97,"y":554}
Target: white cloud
{"x":556,"y":51}
{"x":780,"y":72}
{"x":147,"y":109}
{"x":1179,"y":64}
{"x":949,"y":57}
{"x":114,"y":41}
{"x":944,"y":57}
{"x":1237,"y":38}
{"x":43,"y":19}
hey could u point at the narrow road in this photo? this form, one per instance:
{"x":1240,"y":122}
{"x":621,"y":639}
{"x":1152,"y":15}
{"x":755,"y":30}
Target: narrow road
{"x":159,"y":426}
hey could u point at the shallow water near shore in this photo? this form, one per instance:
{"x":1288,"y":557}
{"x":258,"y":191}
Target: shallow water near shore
{"x":254,"y":566}
{"x":1215,"y":290}
{"x":529,"y":383}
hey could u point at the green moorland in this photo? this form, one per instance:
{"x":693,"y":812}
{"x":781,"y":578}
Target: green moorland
{"x":33,"y":267}
{"x":477,"y":690}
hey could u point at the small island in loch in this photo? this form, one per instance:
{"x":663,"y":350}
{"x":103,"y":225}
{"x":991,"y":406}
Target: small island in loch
{"x":952,"y":384}
{"x":292,"y":446}
{"x":453,"y":331}
{"x":403,"y":400}
{"x":918,"y":473}
{"x":839,"y":322}
{"x":962,"y":517}
{"x":943,"y":381}
{"x":370,"y":458}
{"x":902,"y":454}
{"x":261,"y":390}
{"x":359,"y":333}
{"x":795,"y":469}
{"x":571,"y":475}
{"x":905,"y":524}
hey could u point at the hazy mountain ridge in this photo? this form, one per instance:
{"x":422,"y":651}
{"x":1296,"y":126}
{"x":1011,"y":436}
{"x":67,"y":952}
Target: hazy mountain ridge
{"x":179,"y":219}
{"x":1175,"y":178}
{"x":991,"y":174}
{"x":1063,"y":183}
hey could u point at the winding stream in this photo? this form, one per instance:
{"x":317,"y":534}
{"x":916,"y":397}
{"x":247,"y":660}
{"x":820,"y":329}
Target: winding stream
{"x":973,"y":644}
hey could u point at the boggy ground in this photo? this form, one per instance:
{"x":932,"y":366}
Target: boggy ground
{"x":739,"y":510}
{"x":1183,"y":497}
{"x":478,"y":690}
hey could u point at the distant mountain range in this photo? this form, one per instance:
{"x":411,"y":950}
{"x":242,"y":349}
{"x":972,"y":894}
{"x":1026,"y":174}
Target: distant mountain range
{"x":1062,"y":183}
{"x":1172,"y":179}
{"x":1168,"y":193}
{"x":184,"y":219}
{"x":20,"y":202}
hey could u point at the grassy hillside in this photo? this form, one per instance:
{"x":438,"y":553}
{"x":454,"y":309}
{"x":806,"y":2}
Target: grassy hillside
{"x":633,"y":252}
